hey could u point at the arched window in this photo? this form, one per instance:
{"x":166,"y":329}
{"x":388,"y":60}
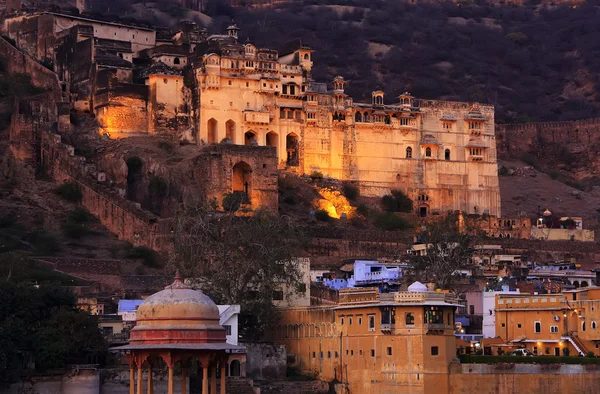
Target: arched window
{"x":409,"y":153}
{"x":388,"y":120}
{"x":358,"y":117}
{"x":366,"y":117}
{"x":428,"y":152}
{"x":176,"y":61}
{"x":306,"y":56}
{"x":593,"y":325}
{"x":447,"y":154}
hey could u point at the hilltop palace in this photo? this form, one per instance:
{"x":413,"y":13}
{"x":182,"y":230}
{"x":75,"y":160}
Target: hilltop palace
{"x":212,"y":89}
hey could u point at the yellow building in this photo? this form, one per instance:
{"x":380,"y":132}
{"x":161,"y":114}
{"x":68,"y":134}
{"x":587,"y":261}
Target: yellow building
{"x":442,"y":154}
{"x":547,"y":324}
{"x":376,"y":343}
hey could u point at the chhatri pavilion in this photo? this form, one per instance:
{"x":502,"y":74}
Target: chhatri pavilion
{"x":178,"y":325}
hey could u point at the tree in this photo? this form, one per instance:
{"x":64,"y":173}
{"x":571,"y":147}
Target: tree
{"x":449,"y":248}
{"x":239,"y":260}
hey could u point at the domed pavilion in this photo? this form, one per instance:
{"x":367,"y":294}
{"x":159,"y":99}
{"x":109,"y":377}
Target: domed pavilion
{"x":178,"y":324}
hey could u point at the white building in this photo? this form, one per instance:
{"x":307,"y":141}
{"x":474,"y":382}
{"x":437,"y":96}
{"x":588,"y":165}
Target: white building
{"x":367,"y":272}
{"x":489,"y":310}
{"x":228,"y":318}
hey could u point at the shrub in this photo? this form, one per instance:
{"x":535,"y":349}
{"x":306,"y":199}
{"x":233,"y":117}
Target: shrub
{"x":81,"y":215}
{"x":291,"y":200}
{"x":500,"y":352}
{"x":75,"y":230}
{"x":502,"y":171}
{"x":350,"y":191}
{"x":149,"y":257}
{"x":397,"y":201}
{"x":529,"y":159}
{"x":316,"y":175}
{"x":363,"y":209}
{"x":591,"y":354}
{"x":390,"y":222}
{"x":134,"y":164}
{"x":233,"y":201}
{"x":44,"y":243}
{"x":70,"y":191}
{"x":165,"y":146}
{"x":322,"y":215}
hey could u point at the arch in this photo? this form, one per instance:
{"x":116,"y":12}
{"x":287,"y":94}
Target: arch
{"x":593,"y":325}
{"x":176,"y":61}
{"x":273,"y":139}
{"x":584,"y":283}
{"x":241,"y":178}
{"x":235,"y":368}
{"x":447,"y":154}
{"x":213,"y":131}
{"x":306,"y":56}
{"x":576,"y":283}
{"x":230,"y":129}
{"x":249,"y":136}
{"x":409,"y":153}
{"x":428,"y":152}
{"x":291,"y":146}
{"x":366,"y":117}
{"x":583,"y":325}
{"x":358,"y":117}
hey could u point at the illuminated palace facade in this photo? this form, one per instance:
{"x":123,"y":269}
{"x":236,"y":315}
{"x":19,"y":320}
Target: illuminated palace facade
{"x":441,"y":153}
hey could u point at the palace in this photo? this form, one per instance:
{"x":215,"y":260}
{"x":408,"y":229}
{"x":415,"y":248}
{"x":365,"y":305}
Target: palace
{"x":213,"y":89}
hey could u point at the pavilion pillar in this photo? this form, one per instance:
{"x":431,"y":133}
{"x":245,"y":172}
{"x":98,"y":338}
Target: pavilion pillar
{"x":183,"y":379}
{"x":140,"y":383}
{"x":223,"y":365}
{"x":213,"y":381}
{"x":205,"y":377}
{"x":150,"y":388}
{"x":170,"y":381}
{"x":131,"y":377}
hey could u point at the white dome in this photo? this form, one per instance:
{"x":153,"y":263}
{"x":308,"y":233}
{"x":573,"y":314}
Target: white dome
{"x":418,"y":287}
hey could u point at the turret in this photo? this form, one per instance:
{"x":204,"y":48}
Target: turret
{"x":338,"y":85}
{"x":233,"y":30}
{"x":406,"y":100}
{"x":377,"y":97}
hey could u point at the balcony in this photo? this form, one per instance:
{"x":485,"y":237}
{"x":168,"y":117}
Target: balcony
{"x":387,"y":327}
{"x":257,"y":117}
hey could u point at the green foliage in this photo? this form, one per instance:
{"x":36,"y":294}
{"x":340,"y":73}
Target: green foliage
{"x":316,"y":175}
{"x":165,"y":146}
{"x":363,"y":209}
{"x":477,"y":359}
{"x":233,"y":201}
{"x":19,"y":268}
{"x":134,"y":164}
{"x":81,"y":215}
{"x":529,"y":159}
{"x":389,"y":221}
{"x":148,"y":256}
{"x":44,"y":243}
{"x":590,"y":354}
{"x":397,"y":201}
{"x":350,"y":191}
{"x":46,"y":322}
{"x":322,"y":215}
{"x":70,"y":191}
{"x":76,"y":225}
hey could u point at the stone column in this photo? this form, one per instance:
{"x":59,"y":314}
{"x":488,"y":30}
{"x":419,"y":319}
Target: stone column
{"x":223,"y":365}
{"x":150,"y":389}
{"x":183,"y":379}
{"x":205,"y":377}
{"x":170,"y":381}
{"x":139,"y":378}
{"x":213,"y":381}
{"x":131,"y":378}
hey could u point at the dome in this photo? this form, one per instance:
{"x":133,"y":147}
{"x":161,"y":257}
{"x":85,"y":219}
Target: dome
{"x":418,"y":287}
{"x":178,"y":312}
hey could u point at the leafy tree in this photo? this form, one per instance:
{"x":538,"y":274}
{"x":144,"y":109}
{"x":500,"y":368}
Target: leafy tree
{"x":239,"y":260}
{"x":449,"y":248}
{"x":397,"y":201}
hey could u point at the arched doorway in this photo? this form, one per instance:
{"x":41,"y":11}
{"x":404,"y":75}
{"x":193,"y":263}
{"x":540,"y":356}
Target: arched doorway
{"x":230,"y":130}
{"x":249,"y":136}
{"x":235,"y":368}
{"x":272,"y":139}
{"x":291,"y":146}
{"x":213,"y":131}
{"x":241,"y":179}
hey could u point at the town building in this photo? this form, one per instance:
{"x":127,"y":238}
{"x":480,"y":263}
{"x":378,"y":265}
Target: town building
{"x":375,"y":342}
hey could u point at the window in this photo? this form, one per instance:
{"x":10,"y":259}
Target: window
{"x":435,"y":351}
{"x":428,"y":152}
{"x":337,"y":355}
{"x":349,"y":321}
{"x":388,"y":315}
{"x":409,"y":152}
{"x":389,"y":351}
{"x":284,"y":87}
{"x":537,"y":327}
{"x":342,"y":321}
{"x":328,"y":354}
{"x":229,"y":83}
{"x":410,"y":319}
{"x":519,"y":325}
{"x":582,"y":326}
{"x":434,"y":315}
{"x":277,"y":295}
{"x":372,"y":352}
{"x":593,"y":325}
{"x":227,"y":329}
{"x":246,"y":84}
{"x":177,"y":61}
{"x":446,"y":126}
{"x":314,"y":354}
{"x":554,"y":329}
{"x":360,"y":352}
{"x":403,"y":122}
{"x":352,"y":352}
{"x":447,"y":154}
{"x":371,"y":322}
{"x":471,"y":309}
{"x":503,"y":325}
{"x":360,"y":321}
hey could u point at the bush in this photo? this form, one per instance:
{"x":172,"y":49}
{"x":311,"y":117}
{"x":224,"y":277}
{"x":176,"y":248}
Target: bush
{"x":149,"y":257}
{"x":591,"y":354}
{"x":291,"y":200}
{"x":233,"y":201}
{"x":75,"y":230}
{"x":316,"y":175}
{"x":397,"y":201}
{"x":322,"y":215}
{"x":350,"y":191}
{"x":80,"y":215}
{"x":70,"y":191}
{"x":165,"y":146}
{"x":363,"y":209}
{"x":502,"y":171}
{"x":44,"y":243}
{"x":390,"y":222}
{"x":529,"y":159}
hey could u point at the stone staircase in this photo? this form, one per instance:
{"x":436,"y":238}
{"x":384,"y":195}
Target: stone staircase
{"x":236,"y":385}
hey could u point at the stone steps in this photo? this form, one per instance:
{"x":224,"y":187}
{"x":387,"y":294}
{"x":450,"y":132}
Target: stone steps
{"x":239,"y":386}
